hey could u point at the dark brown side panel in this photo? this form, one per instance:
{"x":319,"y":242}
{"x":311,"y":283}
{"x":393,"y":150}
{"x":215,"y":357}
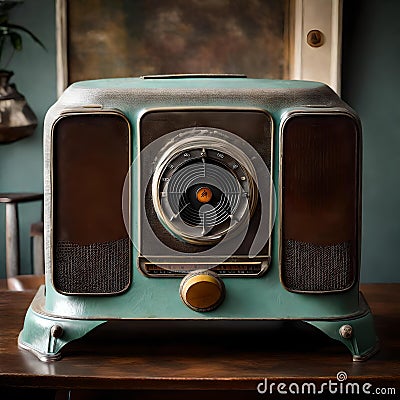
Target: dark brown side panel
{"x":320,"y":202}
{"x":91,"y":247}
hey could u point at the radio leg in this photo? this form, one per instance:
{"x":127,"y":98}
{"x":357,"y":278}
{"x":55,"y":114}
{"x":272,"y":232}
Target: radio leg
{"x":45,"y":335}
{"x":357,"y":333}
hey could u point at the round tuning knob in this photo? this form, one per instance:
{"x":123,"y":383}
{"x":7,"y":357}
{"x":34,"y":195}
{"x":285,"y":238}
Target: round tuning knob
{"x":202,"y":290}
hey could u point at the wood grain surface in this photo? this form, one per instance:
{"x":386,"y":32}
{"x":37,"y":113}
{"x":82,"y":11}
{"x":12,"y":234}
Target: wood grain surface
{"x":170,"y":356}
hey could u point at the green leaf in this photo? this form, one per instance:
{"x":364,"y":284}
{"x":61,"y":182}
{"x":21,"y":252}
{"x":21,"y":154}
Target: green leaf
{"x":21,"y":28}
{"x":16,"y":40}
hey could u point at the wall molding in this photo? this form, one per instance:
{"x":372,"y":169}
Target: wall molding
{"x":316,"y":63}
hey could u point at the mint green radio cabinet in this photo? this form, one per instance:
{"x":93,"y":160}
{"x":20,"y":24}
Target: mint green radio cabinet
{"x":200,"y":197}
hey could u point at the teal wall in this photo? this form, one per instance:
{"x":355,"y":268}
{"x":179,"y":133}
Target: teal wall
{"x":35,"y":76}
{"x":371,"y":80}
{"x":371,"y":85}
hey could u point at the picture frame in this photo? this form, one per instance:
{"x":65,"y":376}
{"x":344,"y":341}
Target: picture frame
{"x":298,"y":57}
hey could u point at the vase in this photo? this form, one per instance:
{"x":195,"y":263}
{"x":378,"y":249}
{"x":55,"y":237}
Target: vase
{"x":17,"y":120}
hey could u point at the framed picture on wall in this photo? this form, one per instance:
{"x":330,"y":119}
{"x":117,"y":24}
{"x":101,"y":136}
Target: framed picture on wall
{"x":258,"y":38}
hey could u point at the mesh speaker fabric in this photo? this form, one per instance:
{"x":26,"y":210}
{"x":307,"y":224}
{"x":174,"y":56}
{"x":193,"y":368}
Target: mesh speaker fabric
{"x":97,"y":268}
{"x":317,"y":268}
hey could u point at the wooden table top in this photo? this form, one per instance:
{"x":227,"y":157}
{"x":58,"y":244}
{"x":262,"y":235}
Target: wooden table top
{"x":174,"y":356}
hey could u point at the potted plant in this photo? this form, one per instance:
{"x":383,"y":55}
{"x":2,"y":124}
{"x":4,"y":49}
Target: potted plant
{"x":17,"y":120}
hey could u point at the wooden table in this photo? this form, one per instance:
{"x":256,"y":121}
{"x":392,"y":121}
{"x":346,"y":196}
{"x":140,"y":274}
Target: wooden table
{"x":167,"y":361}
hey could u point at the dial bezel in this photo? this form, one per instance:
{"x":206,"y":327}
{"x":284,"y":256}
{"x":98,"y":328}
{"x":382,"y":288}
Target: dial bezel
{"x":207,"y":139}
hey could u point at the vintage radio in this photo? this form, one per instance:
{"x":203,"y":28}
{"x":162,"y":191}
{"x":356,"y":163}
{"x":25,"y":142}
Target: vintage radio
{"x":200,"y":197}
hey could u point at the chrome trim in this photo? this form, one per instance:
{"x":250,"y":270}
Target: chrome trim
{"x":90,"y":109}
{"x":263,"y":261}
{"x":284,"y":119}
{"x":80,"y":109}
{"x":190,"y":76}
{"x":210,"y":143}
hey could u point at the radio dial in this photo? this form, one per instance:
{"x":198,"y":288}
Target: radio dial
{"x":202,"y":290}
{"x":203,"y":188}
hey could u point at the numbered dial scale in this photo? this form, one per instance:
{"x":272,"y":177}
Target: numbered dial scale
{"x":203,"y":187}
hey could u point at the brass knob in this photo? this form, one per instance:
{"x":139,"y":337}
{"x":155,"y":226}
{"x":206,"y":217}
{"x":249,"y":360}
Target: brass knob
{"x":202,"y":290}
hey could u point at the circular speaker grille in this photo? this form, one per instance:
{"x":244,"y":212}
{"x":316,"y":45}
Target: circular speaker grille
{"x":203,"y":188}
